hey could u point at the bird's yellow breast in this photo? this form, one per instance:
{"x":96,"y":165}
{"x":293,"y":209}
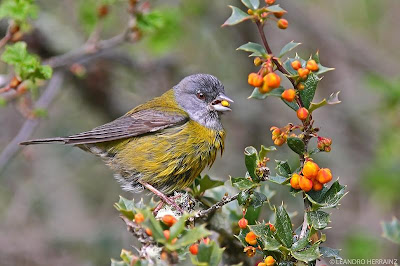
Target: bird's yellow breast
{"x":170,"y":159}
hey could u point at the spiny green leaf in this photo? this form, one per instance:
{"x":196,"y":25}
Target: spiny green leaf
{"x":296,"y":144}
{"x":154,"y":225}
{"x":179,"y":226}
{"x":283,"y":227}
{"x":258,"y":199}
{"x":307,"y":255}
{"x":391,"y":230}
{"x":321,"y":69}
{"x":243,"y":197}
{"x":283,"y":168}
{"x":275,"y":8}
{"x":333,"y":99}
{"x":193,"y":236}
{"x":254,"y":48}
{"x":318,"y":219}
{"x":207,"y":183}
{"x":327,"y":198}
{"x":252,"y":4}
{"x":281,"y":180}
{"x":288,"y":47}
{"x":252,"y":214}
{"x":327,"y":252}
{"x":210,"y":255}
{"x":256,"y":94}
{"x":264,"y":151}
{"x":236,"y":17}
{"x":301,"y":243}
{"x":310,"y":85}
{"x":242,"y":183}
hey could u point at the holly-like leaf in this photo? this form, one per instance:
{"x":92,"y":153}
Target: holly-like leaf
{"x":391,"y":230}
{"x":327,"y":198}
{"x":283,"y":168}
{"x":277,"y":179}
{"x":236,"y":17}
{"x":318,"y":219}
{"x":283,"y":226}
{"x":321,"y":69}
{"x":242,"y":183}
{"x":258,"y":199}
{"x":256,"y":94}
{"x":252,"y":4}
{"x":210,"y":255}
{"x":264,"y":151}
{"x":250,"y":159}
{"x":307,"y":255}
{"x":254,"y":48}
{"x":296,"y":144}
{"x":243,"y":197}
{"x":327,"y":252}
{"x":310,"y":85}
{"x":126,"y":207}
{"x":154,"y":225}
{"x":275,"y":8}
{"x":207,"y":183}
{"x":288,"y":47}
{"x":179,"y":226}
{"x":192,"y":236}
{"x":333,"y":99}
{"x":252,"y":214}
{"x":288,"y":64}
{"x":301,"y":243}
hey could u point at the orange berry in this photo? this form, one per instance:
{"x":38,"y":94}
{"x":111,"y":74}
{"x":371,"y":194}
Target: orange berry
{"x":243,"y":223}
{"x":206,"y":240}
{"x":194,"y":249}
{"x":139,"y":218}
{"x":264,"y":88}
{"x":272,"y":80}
{"x":305,"y":184}
{"x":317,"y":186}
{"x":303,"y":73}
{"x":250,"y":251}
{"x":289,"y":95}
{"x":310,"y":170}
{"x":327,"y":149}
{"x":250,"y":12}
{"x":279,"y":142}
{"x":282,"y":23}
{"x":269,"y":2}
{"x":169,"y":220}
{"x":148,"y":231}
{"x":269,"y":261}
{"x":261,"y":264}
{"x":295,"y":181}
{"x":300,"y":86}
{"x":166,"y":234}
{"x":279,"y":14}
{"x":312,"y":65}
{"x":302,"y":113}
{"x":324,"y":175}
{"x":255,"y":80}
{"x":251,"y":238}
{"x":271,"y":227}
{"x":296,"y":64}
{"x":164,"y":255}
{"x":257,"y":61}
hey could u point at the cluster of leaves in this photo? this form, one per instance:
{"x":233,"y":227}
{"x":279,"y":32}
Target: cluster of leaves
{"x":19,"y":11}
{"x":27,"y":66}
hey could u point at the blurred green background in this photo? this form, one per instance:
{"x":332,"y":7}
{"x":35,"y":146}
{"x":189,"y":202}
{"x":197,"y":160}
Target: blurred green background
{"x":56,"y":202}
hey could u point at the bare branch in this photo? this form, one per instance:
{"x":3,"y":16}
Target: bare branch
{"x":225,"y":200}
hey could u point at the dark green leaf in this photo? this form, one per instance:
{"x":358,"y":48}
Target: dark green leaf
{"x":275,"y":8}
{"x":250,"y":159}
{"x":263,"y":232}
{"x":391,"y":230}
{"x":258,"y":199}
{"x":301,"y":243}
{"x":209,"y":255}
{"x":283,"y":168}
{"x":242,"y":183}
{"x":252,"y":214}
{"x":179,"y":226}
{"x":318,"y":219}
{"x":192,"y":236}
{"x":307,"y":255}
{"x":288,"y":47}
{"x":154,"y":225}
{"x":236,"y":17}
{"x":252,"y":4}
{"x":125,"y":207}
{"x":292,"y":105}
{"x":254,"y":48}
{"x":283,"y":227}
{"x":310,"y":85}
{"x":327,"y":198}
{"x":261,"y":96}
{"x":327,"y":252}
{"x":296,"y":144}
{"x":207,"y":183}
{"x":264,"y":151}
{"x":281,"y":180}
{"x":243,"y":197}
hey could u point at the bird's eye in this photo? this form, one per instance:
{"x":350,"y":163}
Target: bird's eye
{"x":200,"y":95}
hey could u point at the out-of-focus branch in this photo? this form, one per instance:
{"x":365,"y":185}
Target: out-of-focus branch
{"x":30,"y":125}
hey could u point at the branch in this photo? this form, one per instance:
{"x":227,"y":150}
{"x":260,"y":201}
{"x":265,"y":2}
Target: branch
{"x":225,"y":200}
{"x":30,"y":125}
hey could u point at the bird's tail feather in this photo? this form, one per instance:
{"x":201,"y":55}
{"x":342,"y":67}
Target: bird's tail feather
{"x":43,"y":141}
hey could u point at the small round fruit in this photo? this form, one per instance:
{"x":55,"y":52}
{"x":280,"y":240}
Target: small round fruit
{"x":271,"y":227}
{"x":269,"y":261}
{"x":269,"y":2}
{"x":302,"y":113}
{"x":295,"y":181}
{"x":169,"y":220}
{"x":255,"y":80}
{"x":243,"y":223}
{"x":305,"y":184}
{"x":279,"y":142}
{"x":317,"y":186}
{"x":250,"y":12}
{"x":251,"y":238}
{"x":166,"y":234}
{"x":300,"y":86}
{"x":282,"y":23}
{"x":272,"y":80}
{"x":264,"y":88}
{"x":148,"y":231}
{"x":310,"y":170}
{"x":257,"y":61}
{"x":194,"y":249}
{"x":324,"y":175}
{"x":139,"y":218}
{"x":206,"y":240}
{"x":288,"y":95}
{"x":303,"y":73}
{"x":312,"y":65}
{"x":279,"y":14}
{"x":296,"y":64}
{"x":250,"y":252}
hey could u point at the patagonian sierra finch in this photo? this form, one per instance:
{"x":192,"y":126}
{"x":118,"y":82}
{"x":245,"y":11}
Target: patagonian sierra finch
{"x":163,"y":144}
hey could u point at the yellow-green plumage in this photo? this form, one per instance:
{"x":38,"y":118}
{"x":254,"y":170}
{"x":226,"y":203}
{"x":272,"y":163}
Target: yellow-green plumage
{"x":170,"y":159}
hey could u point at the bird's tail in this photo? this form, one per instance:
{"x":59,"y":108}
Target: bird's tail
{"x":44,"y":141}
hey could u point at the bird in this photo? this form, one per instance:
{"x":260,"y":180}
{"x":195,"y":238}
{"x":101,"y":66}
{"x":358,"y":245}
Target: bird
{"x":163,"y":144}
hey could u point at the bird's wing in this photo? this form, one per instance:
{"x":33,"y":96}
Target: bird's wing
{"x":129,"y":125}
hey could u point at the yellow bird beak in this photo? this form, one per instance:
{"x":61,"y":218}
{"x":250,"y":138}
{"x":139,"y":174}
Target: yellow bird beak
{"x":222,"y":103}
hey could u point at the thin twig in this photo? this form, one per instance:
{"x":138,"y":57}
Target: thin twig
{"x":225,"y":200}
{"x":6,"y":38}
{"x":30,"y":125}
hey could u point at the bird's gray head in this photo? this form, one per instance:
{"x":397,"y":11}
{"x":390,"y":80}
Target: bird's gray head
{"x":203,"y":97}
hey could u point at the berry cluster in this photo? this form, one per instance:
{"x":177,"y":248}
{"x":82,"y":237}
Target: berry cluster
{"x":312,"y":177}
{"x":324,"y":144}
